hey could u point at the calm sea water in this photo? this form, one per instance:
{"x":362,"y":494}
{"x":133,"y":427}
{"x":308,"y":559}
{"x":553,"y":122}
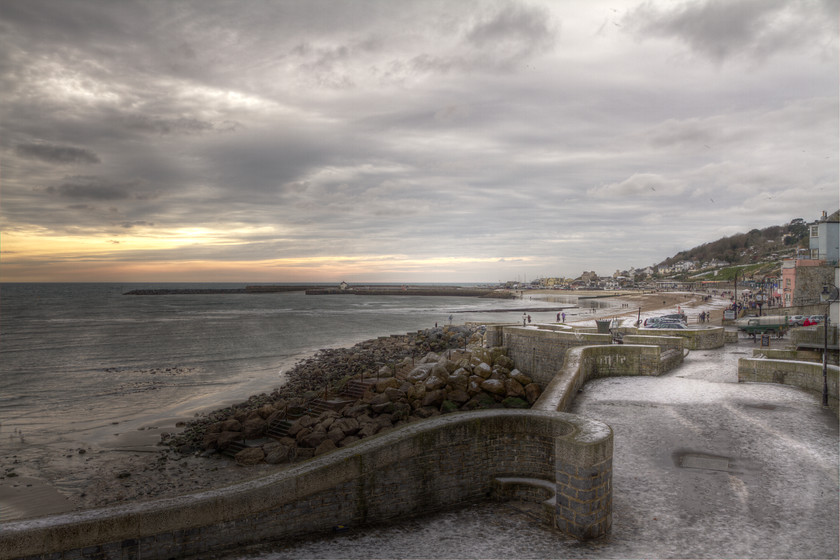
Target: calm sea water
{"x":75,"y":358}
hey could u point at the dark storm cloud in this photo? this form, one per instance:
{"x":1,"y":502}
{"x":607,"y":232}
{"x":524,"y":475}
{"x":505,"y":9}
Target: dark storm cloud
{"x":56,"y":154}
{"x":98,"y":189}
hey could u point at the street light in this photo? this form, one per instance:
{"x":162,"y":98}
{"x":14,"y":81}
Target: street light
{"x":828,"y":296}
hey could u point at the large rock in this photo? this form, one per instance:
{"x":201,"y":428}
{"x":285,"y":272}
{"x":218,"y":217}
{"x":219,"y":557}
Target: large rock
{"x":433,"y":398}
{"x":384,"y":384}
{"x":383,"y":408}
{"x":514,"y":388}
{"x":253,"y":428}
{"x":435,"y":382}
{"x":231,"y":425}
{"x":250,"y":456}
{"x":401,"y":411}
{"x":459,"y":379}
{"x":226,"y":438}
{"x":210,"y":440}
{"x":349,"y":440}
{"x":483,"y":370}
{"x":369,"y":429}
{"x":325,"y":447}
{"x":304,"y":421}
{"x":395,"y":394}
{"x":520,"y":377}
{"x":430,"y":358}
{"x":377,"y":398}
{"x":265,"y":411}
{"x":449,"y":365}
{"x":502,"y":360}
{"x":276,"y":454}
{"x":448,"y":406}
{"x":313,"y":439}
{"x":335,"y":435}
{"x":356,"y":411}
{"x":532,"y":392}
{"x":420,"y":372}
{"x":494,"y":386}
{"x":474,"y":385}
{"x":348,"y":426}
{"x":458,"y":396}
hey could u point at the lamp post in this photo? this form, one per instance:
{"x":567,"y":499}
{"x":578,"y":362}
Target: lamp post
{"x":827,"y":296}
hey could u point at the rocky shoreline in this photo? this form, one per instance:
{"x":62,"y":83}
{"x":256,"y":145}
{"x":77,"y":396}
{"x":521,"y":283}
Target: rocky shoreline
{"x":340,"y":396}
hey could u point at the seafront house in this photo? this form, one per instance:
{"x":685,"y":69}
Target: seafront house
{"x":824,"y":240}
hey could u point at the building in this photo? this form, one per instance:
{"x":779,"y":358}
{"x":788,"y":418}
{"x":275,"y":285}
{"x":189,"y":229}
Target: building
{"x":824,"y":241}
{"x":803,"y":279}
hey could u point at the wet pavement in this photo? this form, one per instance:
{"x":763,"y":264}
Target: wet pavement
{"x":705,"y":467}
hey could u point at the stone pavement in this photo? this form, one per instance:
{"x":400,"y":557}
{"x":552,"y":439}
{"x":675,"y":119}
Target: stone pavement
{"x":704,"y":468}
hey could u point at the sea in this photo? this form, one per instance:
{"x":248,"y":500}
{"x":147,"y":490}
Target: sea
{"x":77,"y":358}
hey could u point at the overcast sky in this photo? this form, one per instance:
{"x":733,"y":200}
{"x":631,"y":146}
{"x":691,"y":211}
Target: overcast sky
{"x":284,"y":141}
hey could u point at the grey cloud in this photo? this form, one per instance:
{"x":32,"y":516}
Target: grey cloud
{"x":517,"y":29}
{"x":52,"y":153}
{"x":97,"y":188}
{"x":724,"y":29}
{"x":129,"y":225}
{"x":159,"y":125}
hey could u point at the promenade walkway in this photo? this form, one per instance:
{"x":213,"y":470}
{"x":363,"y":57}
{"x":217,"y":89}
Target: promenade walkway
{"x":704,"y":467}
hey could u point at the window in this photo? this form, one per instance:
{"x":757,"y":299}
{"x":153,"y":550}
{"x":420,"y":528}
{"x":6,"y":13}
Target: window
{"x":815,"y":231}
{"x":815,"y":254}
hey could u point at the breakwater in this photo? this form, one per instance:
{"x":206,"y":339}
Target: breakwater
{"x":411,"y":291}
{"x":310,"y":290}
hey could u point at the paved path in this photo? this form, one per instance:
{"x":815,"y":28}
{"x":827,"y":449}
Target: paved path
{"x":704,"y":468}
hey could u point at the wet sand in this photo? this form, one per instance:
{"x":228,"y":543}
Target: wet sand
{"x":123,"y":462}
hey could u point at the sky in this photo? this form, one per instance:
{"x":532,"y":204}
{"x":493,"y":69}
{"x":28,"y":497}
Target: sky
{"x":404,"y":141}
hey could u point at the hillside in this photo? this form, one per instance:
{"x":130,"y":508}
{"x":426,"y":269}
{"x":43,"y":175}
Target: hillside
{"x":774,"y":242}
{"x":756,"y":254}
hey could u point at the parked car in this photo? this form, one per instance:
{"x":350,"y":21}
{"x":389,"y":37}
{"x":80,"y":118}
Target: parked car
{"x":676,"y":316}
{"x":817,"y":319}
{"x":796,"y":320}
{"x":666,"y":325}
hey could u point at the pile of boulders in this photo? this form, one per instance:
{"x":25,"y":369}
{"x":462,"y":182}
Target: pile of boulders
{"x":400,"y":393}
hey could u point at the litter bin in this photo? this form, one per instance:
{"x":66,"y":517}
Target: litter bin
{"x":765,"y":340}
{"x":603,"y":326}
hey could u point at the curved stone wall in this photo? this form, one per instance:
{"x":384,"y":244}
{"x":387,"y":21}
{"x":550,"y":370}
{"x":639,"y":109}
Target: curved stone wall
{"x":805,"y":375}
{"x":591,"y":362}
{"x":418,"y":468}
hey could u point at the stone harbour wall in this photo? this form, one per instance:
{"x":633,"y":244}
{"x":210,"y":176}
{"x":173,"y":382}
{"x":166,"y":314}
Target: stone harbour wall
{"x":805,"y":375}
{"x":419,"y":468}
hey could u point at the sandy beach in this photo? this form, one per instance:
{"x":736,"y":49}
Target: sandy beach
{"x":119,"y":464}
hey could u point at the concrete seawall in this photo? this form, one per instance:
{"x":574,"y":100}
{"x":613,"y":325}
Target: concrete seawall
{"x":805,"y":375}
{"x":438,"y":463}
